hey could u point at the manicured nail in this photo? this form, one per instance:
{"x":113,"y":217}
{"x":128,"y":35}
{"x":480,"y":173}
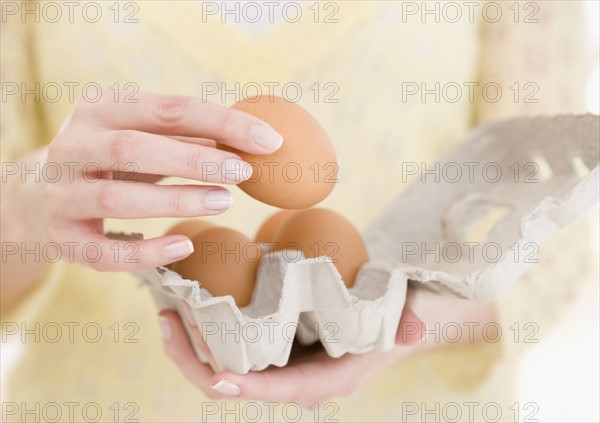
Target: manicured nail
{"x":235,"y":171}
{"x":266,"y":137}
{"x":187,"y":314}
{"x":165,"y":328}
{"x":226,"y":387}
{"x":217,"y":199}
{"x":178,"y":250}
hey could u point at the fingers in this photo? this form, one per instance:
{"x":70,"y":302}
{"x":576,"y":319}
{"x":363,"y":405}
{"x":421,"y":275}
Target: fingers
{"x":122,"y":200}
{"x":184,"y":116}
{"x":308,"y":382}
{"x":194,"y":333}
{"x":141,"y":152}
{"x":135,"y":177}
{"x":305,"y":383}
{"x":411,"y":328}
{"x":84,"y":243}
{"x":300,"y":383}
{"x":158,"y":135}
{"x":198,"y":141}
{"x":179,"y":349}
{"x":277,"y":384}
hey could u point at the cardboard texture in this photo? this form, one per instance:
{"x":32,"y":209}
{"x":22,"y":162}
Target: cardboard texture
{"x":468,"y":227}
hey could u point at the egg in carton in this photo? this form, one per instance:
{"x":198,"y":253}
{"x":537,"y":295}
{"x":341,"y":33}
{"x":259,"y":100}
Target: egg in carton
{"x":307,"y":299}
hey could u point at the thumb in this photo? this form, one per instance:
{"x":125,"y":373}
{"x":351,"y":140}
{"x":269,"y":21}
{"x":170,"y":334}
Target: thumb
{"x":411,"y":329}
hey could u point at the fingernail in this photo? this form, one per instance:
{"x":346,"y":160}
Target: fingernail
{"x":266,"y":137}
{"x":179,"y":249}
{"x":235,"y":170}
{"x":226,"y":387}
{"x":217,"y":199}
{"x":187,"y":314}
{"x":165,"y":328}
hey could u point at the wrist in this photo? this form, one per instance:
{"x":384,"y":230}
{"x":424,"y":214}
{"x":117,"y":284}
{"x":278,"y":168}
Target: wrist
{"x":24,"y":232}
{"x":24,"y":218}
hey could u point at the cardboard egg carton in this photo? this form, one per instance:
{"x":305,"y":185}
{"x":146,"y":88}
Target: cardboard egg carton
{"x":550,"y":172}
{"x":307,"y":299}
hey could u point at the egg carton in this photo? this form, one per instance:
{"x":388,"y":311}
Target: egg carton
{"x":307,"y":299}
{"x":550,"y":177}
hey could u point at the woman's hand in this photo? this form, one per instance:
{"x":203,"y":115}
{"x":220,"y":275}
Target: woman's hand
{"x":107,"y":156}
{"x":316,"y":377}
{"x":111,"y":153}
{"x":311,"y":378}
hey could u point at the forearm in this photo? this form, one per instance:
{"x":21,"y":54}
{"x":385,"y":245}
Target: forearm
{"x":23,"y":229}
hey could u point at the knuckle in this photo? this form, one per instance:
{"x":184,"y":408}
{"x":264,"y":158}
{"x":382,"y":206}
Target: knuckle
{"x":226,"y":122}
{"x":169,"y":110}
{"x":194,"y":162}
{"x":53,"y":198}
{"x":177,"y":202}
{"x":121,"y":146}
{"x":107,"y":202}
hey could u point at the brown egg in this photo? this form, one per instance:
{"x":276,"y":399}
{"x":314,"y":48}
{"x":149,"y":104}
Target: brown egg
{"x":269,"y":230}
{"x":304,"y":169}
{"x":320,"y":232}
{"x":224,"y":261}
{"x":189,"y":228}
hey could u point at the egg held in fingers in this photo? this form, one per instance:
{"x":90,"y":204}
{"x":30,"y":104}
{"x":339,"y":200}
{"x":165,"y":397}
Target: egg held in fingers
{"x":303,"y":171}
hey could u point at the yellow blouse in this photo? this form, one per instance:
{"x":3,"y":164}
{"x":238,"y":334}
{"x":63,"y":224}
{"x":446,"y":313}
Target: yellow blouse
{"x":365,"y":62}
